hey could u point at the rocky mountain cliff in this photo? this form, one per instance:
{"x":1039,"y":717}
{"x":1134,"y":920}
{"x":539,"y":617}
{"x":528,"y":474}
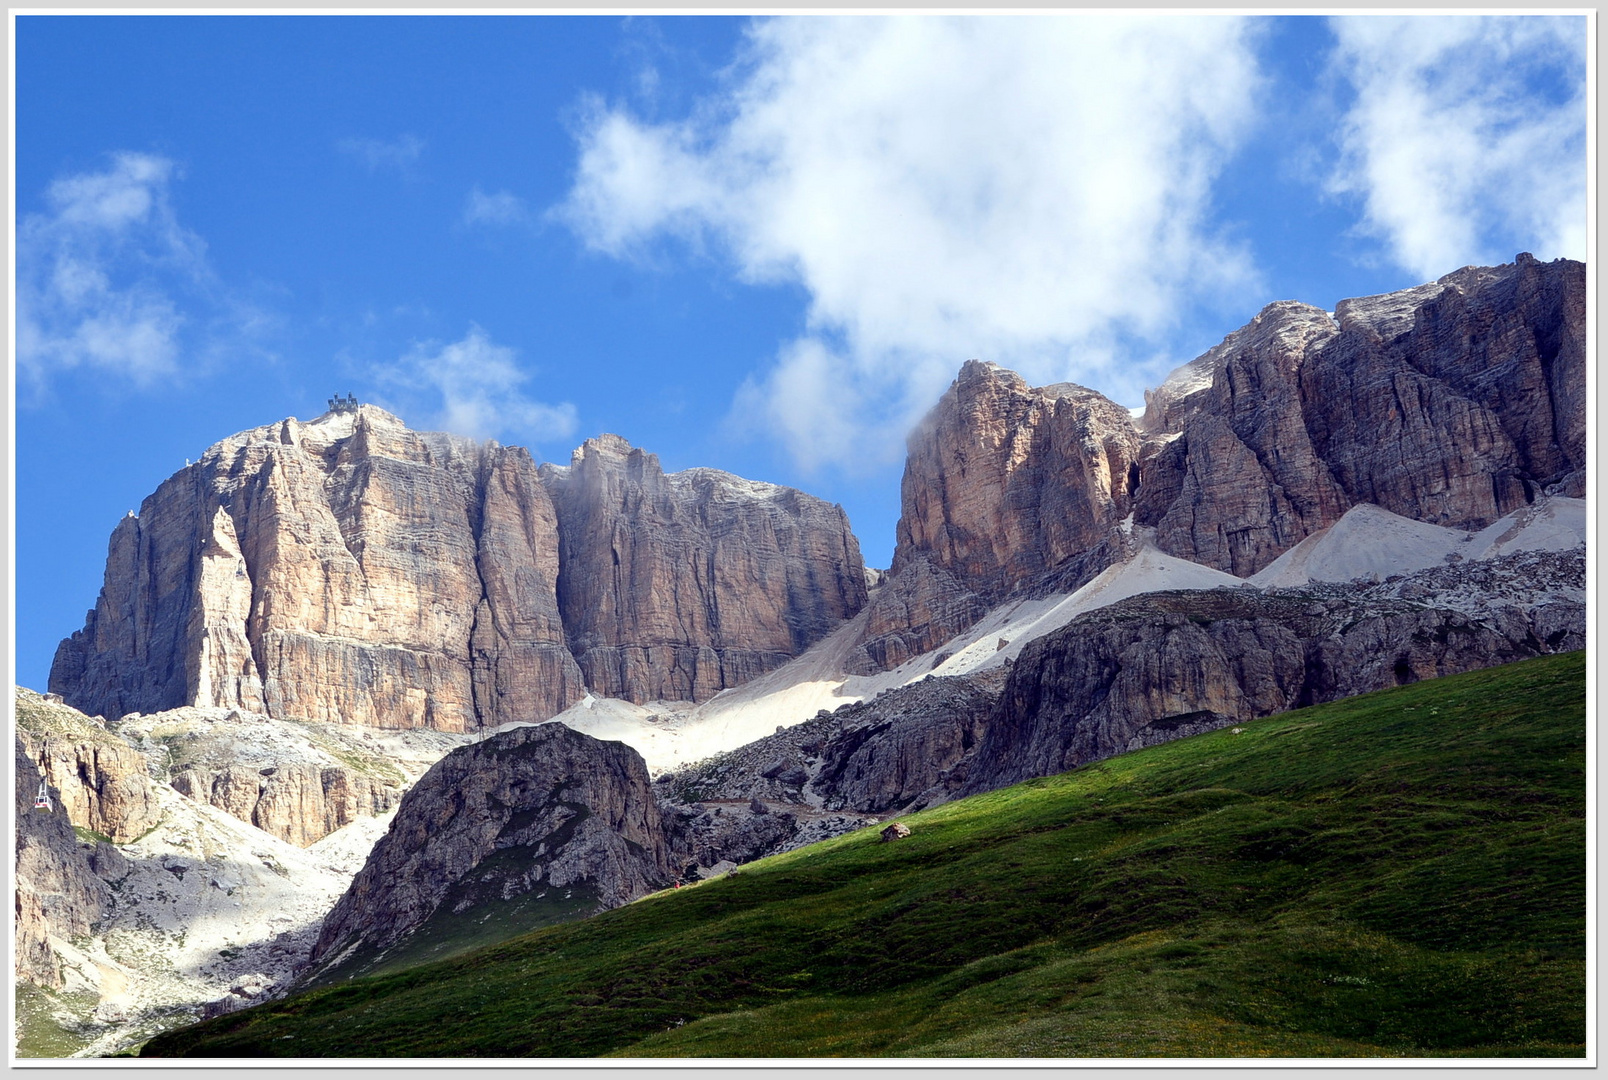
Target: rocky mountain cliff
{"x":1452,"y":403}
{"x":101,"y":781}
{"x":1163,"y":666}
{"x":352,"y":570}
{"x":675,"y":587}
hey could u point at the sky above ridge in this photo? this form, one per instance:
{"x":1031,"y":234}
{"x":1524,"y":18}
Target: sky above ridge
{"x":762,"y":245}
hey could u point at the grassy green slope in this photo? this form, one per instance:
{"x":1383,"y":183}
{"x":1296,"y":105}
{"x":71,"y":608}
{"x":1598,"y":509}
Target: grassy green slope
{"x":1399,"y":873}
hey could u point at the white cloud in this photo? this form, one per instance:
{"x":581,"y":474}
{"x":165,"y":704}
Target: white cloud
{"x":1466,"y":141}
{"x":477,"y":384}
{"x":499,"y":208}
{"x":1023,"y":189}
{"x":377,"y":154}
{"x":101,"y":274}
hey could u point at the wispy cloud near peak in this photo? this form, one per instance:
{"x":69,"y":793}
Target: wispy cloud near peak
{"x":475,"y":387}
{"x":1028,"y":190}
{"x":1467,"y":138}
{"x":107,"y":278}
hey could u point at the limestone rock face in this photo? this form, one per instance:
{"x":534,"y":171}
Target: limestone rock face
{"x":1241,"y":482}
{"x":1005,"y":481}
{"x":301,"y":804}
{"x":298,"y":781}
{"x":346,"y":569}
{"x":57,"y":893}
{"x":1452,"y":403}
{"x":538,"y":811}
{"x":675,"y":587}
{"x":100,"y":780}
{"x":352,"y":570}
{"x":914,"y":612}
{"x":1464,"y":407}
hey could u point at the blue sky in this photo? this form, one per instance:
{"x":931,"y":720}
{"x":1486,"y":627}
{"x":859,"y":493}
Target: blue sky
{"x":759,"y":245}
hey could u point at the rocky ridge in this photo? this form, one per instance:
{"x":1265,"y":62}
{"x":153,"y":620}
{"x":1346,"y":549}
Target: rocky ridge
{"x":58,"y":897}
{"x":351,"y":570}
{"x":1453,"y":403}
{"x":101,"y":781}
{"x":675,"y":587}
{"x":296,"y":781}
{"x":1158,"y":667}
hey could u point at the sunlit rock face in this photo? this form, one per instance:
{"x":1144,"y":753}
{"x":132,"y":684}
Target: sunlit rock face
{"x":347,"y":569}
{"x":1452,"y":403}
{"x":352,"y":570}
{"x":677,"y":586}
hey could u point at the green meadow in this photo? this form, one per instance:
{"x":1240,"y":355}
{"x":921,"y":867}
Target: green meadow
{"x":1396,"y":874}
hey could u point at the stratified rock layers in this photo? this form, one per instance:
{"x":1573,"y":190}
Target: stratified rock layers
{"x":1155,"y":668}
{"x":675,"y":587}
{"x":1452,"y":403}
{"x":352,"y":570}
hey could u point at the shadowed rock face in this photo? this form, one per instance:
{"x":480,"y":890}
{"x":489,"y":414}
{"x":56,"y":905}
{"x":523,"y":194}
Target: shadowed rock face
{"x":531,"y":810}
{"x":675,"y":587}
{"x":1453,"y":403}
{"x":351,"y":570}
{"x":1160,"y":667}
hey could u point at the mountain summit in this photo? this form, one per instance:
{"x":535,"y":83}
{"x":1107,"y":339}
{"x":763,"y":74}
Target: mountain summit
{"x":351,"y":569}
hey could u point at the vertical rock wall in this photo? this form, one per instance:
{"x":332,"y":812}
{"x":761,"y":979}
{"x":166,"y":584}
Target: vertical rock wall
{"x":352,"y":570}
{"x":342,"y":570}
{"x":1454,"y":403}
{"x":678,"y":586}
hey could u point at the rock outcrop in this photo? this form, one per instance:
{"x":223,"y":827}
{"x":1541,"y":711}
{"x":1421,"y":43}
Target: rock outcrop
{"x":101,"y":781}
{"x":301,"y":804}
{"x":57,"y":893}
{"x":1005,"y":481}
{"x":675,"y":587}
{"x":346,"y":570}
{"x":538,"y":812}
{"x":295,"y":780}
{"x":1452,"y":403}
{"x":905,"y":750}
{"x":1162,"y":666}
{"x":352,"y":570}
